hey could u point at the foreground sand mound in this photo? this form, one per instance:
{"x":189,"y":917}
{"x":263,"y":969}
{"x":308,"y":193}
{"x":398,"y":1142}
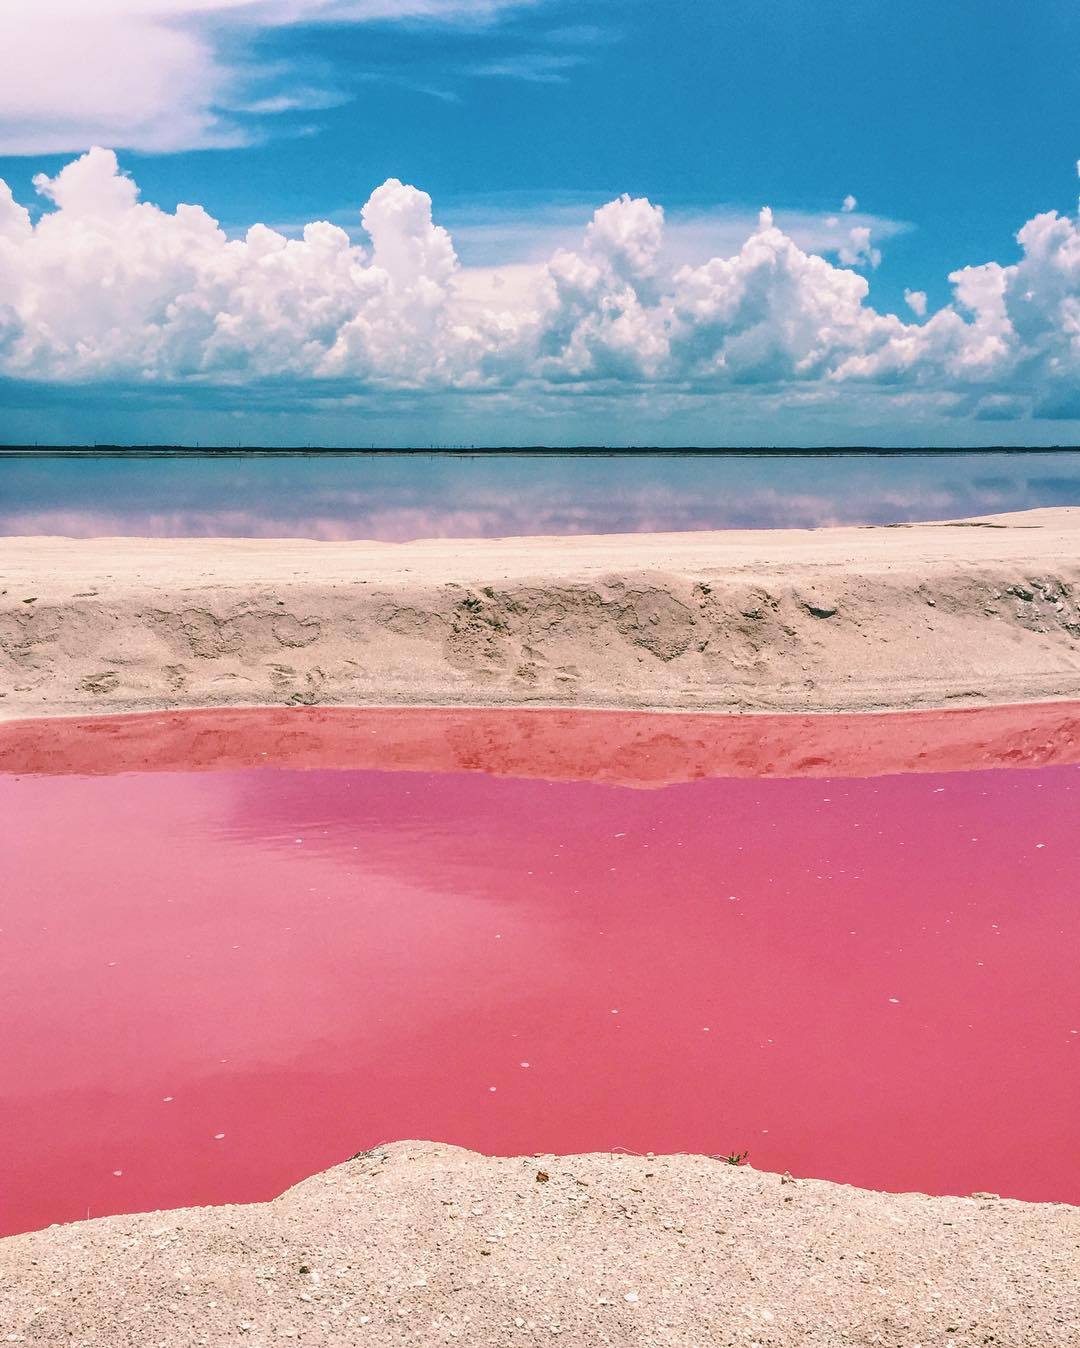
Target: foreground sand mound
{"x":421,"y":1243}
{"x":811,"y":620}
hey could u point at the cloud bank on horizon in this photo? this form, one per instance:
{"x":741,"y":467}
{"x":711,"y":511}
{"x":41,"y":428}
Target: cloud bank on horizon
{"x":105,"y":287}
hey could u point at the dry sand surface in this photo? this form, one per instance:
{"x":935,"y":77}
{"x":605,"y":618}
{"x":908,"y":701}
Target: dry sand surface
{"x":416,"y":1243}
{"x":810,"y":620}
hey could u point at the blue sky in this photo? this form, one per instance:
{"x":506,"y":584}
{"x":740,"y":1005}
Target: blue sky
{"x":950,"y":124}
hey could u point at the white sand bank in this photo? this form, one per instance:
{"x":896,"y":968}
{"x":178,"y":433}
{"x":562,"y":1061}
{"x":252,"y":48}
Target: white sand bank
{"x":829,"y":619}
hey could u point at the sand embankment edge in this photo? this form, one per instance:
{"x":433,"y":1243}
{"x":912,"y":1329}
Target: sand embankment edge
{"x":426,"y":1243}
{"x":636,"y":749}
{"x":840,"y":619}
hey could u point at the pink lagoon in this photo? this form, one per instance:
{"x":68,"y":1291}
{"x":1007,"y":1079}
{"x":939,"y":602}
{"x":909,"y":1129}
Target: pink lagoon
{"x":239,"y":946}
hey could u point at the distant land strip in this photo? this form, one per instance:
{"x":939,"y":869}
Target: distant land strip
{"x":525,"y":451}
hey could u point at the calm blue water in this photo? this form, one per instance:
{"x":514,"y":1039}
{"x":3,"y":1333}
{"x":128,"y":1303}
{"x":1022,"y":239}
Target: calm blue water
{"x":400,"y":497}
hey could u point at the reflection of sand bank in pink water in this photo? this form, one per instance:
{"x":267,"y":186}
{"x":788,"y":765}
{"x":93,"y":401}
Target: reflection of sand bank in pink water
{"x":620,"y":748}
{"x":213,"y":984}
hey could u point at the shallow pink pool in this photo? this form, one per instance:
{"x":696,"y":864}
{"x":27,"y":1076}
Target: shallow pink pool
{"x":228,"y":959}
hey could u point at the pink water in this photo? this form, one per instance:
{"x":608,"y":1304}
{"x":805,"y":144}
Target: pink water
{"x":215,"y":982}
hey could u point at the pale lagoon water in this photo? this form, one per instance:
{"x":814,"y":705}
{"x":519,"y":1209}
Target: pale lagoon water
{"x":396,"y":497}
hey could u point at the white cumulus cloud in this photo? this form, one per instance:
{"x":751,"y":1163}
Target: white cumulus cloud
{"x":857,"y":250}
{"x":916,"y":301}
{"x":165,"y":75}
{"x":103,"y":286}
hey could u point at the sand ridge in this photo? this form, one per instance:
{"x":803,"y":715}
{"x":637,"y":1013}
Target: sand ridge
{"x":420,"y":1243}
{"x":787,"y":620}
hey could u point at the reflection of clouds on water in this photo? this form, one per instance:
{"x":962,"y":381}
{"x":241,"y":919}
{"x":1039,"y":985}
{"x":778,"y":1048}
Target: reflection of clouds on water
{"x":399,"y":499}
{"x":403,"y":523}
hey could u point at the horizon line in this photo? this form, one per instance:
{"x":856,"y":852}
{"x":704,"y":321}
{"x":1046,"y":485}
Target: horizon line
{"x":198,"y":450}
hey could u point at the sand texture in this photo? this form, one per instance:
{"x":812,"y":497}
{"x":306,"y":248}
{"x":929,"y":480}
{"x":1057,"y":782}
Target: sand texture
{"x":417,"y":1243}
{"x":791,"y":620}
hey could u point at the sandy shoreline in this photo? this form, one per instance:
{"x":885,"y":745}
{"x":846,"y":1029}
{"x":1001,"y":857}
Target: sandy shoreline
{"x":419,"y":1243}
{"x":851,"y":619}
